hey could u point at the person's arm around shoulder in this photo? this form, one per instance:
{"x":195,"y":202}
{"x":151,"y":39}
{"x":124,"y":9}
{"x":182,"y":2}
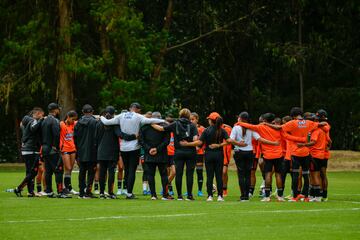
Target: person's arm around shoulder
{"x":113,"y":121}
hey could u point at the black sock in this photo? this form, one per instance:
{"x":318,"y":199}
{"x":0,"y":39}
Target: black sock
{"x":280,"y":192}
{"x":200,"y":178}
{"x":67,"y":180}
{"x":311,"y":191}
{"x":170,"y":188}
{"x":251,"y":190}
{"x":316,"y":190}
{"x":267,"y":192}
{"x":38,"y":187}
{"x":96,"y":185}
{"x":119,"y":184}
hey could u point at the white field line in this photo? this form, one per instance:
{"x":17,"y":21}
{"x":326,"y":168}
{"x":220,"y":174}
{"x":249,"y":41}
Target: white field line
{"x":179,"y":215}
{"x":345,"y":194}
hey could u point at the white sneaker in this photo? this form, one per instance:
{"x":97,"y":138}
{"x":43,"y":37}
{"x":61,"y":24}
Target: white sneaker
{"x":220,"y":199}
{"x":96,"y":192}
{"x":280,"y":199}
{"x":153,"y":198}
{"x":209,"y":199}
{"x":42,"y":193}
{"x":250,"y":195}
{"x":119,"y":192}
{"x":315,"y":199}
{"x":73,"y":192}
{"x":266,"y":199}
{"x":124,"y":192}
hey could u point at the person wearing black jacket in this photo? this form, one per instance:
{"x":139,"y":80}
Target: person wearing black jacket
{"x":30,"y":149}
{"x":183,"y":129}
{"x":50,"y":138}
{"x":155,"y":155}
{"x":85,"y":142}
{"x":108,"y":148}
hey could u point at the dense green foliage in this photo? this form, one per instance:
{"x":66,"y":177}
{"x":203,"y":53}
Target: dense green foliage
{"x":252,"y":63}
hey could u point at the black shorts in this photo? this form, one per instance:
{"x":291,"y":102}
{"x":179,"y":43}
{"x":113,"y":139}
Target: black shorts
{"x":255,"y":163}
{"x":273,"y":163}
{"x":200,"y":158}
{"x":303,"y":162}
{"x":286,"y":167}
{"x":323,"y":163}
{"x":315,"y":164}
{"x":68,"y":153}
{"x":171,"y":161}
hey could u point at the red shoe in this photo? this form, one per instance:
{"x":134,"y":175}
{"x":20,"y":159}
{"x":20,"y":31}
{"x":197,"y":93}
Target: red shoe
{"x":300,"y":196}
{"x":306,"y":199}
{"x":293,"y":200}
{"x":225,"y":192}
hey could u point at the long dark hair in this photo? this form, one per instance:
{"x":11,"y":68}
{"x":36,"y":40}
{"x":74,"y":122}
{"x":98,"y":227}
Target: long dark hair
{"x":244,"y":118}
{"x":218,"y":125}
{"x":70,"y":114}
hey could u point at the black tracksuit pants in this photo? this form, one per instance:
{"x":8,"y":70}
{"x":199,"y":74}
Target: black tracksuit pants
{"x":89,"y":169}
{"x":244,"y":163}
{"x":131,"y":161}
{"x":32,"y":167}
{"x":151,"y":169}
{"x":53,"y":165}
{"x":214,"y":162}
{"x":182,"y":158}
{"x":109,"y":167}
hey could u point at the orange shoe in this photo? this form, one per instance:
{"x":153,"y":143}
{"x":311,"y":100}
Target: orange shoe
{"x":300,"y":197}
{"x":293,"y":200}
{"x":306,"y":199}
{"x":225,"y":192}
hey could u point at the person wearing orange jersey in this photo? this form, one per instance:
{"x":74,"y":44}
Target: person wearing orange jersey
{"x":317,"y":145}
{"x":299,"y":127}
{"x":67,"y":148}
{"x":227,"y":156}
{"x":322,"y":115}
{"x":194,"y":118}
{"x":171,"y":152}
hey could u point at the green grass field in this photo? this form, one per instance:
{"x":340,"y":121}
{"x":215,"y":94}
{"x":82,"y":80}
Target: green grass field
{"x":43,"y":218}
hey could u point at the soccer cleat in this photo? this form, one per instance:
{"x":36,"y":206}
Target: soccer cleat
{"x":30,"y":195}
{"x":220,"y":199}
{"x":90,"y":195}
{"x":130,"y":196}
{"x":185,"y":194}
{"x":250,"y":195}
{"x":324,"y":199}
{"x":102,"y":196}
{"x":200,"y":194}
{"x":244,"y":200}
{"x":293,"y":200}
{"x":124,"y":192}
{"x":315,"y":199}
{"x":280,"y":199}
{"x":37,"y":194}
{"x":306,"y":199}
{"x":63,"y":195}
{"x":190,"y":198}
{"x":145,"y":192}
{"x":171,"y":193}
{"x":288,"y":197}
{"x":154,"y":198}
{"x":73,"y":192}
{"x":17,"y":192}
{"x":225,"y":192}
{"x":168,"y":197}
{"x":266,"y":199}
{"x":112,"y":196}
{"x":43,"y":193}
{"x":66,"y":191}
{"x":51,"y":195}
{"x":180,"y":199}
{"x":210,"y":199}
{"x":300,"y":197}
{"x":119,"y":192}
{"x":96,"y":192}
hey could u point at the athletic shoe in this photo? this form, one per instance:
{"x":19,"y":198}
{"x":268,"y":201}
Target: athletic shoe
{"x":220,"y":199}
{"x":96,"y":192}
{"x":171,"y":193}
{"x":200,"y":194}
{"x":280,"y":199}
{"x":124,"y":192}
{"x":293,"y":200}
{"x":90,"y":195}
{"x":112,"y":196}
{"x":306,"y":199}
{"x":73,"y":192}
{"x":145,"y":192}
{"x":250,"y":195}
{"x":210,"y":199}
{"x":315,"y":199}
{"x":37,"y":194}
{"x":119,"y":192}
{"x":189,"y":198}
{"x":154,"y":198}
{"x":42,"y":193}
{"x":130,"y":196}
{"x":324,"y":199}
{"x":225,"y":192}
{"x":51,"y":195}
{"x":17,"y":192}
{"x":102,"y":196}
{"x":30,"y":195}
{"x":185,"y":194}
{"x":266,"y":199}
{"x":168,"y":197}
{"x":180,"y":199}
{"x":84,"y":196}
{"x":244,"y":200}
{"x":300,"y":197}
{"x":66,"y":191}
{"x":288,"y":197}
{"x":63,"y":195}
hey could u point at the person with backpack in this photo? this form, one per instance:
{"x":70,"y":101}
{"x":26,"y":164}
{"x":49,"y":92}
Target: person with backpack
{"x":183,"y":129}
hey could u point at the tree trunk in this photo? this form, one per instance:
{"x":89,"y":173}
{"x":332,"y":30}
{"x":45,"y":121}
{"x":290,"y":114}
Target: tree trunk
{"x":166,"y":28}
{"x":17,"y":131}
{"x":64,"y":91}
{"x":120,"y":62}
{"x":301,"y":63}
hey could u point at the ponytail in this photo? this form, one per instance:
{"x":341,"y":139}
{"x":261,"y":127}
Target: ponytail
{"x":218,"y":125}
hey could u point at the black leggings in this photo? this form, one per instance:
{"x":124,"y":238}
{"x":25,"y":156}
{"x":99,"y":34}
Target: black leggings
{"x":88,"y":168}
{"x":244,"y":164}
{"x":214,"y":162}
{"x":182,"y":158}
{"x":32,"y":167}
{"x":107,"y":166}
{"x":53,"y":165}
{"x":131,"y":161}
{"x":304,"y":162}
{"x":151,"y":169}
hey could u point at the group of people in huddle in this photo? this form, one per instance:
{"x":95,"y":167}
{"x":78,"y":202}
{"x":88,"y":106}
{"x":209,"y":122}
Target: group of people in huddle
{"x":297,"y":145}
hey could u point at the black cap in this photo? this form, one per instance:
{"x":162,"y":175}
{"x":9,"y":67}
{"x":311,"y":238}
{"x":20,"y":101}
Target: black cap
{"x":321,"y":113}
{"x":110,"y":109}
{"x":135,"y":105}
{"x":53,"y":106}
{"x":87,"y":108}
{"x":296,"y":111}
{"x":244,"y":115}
